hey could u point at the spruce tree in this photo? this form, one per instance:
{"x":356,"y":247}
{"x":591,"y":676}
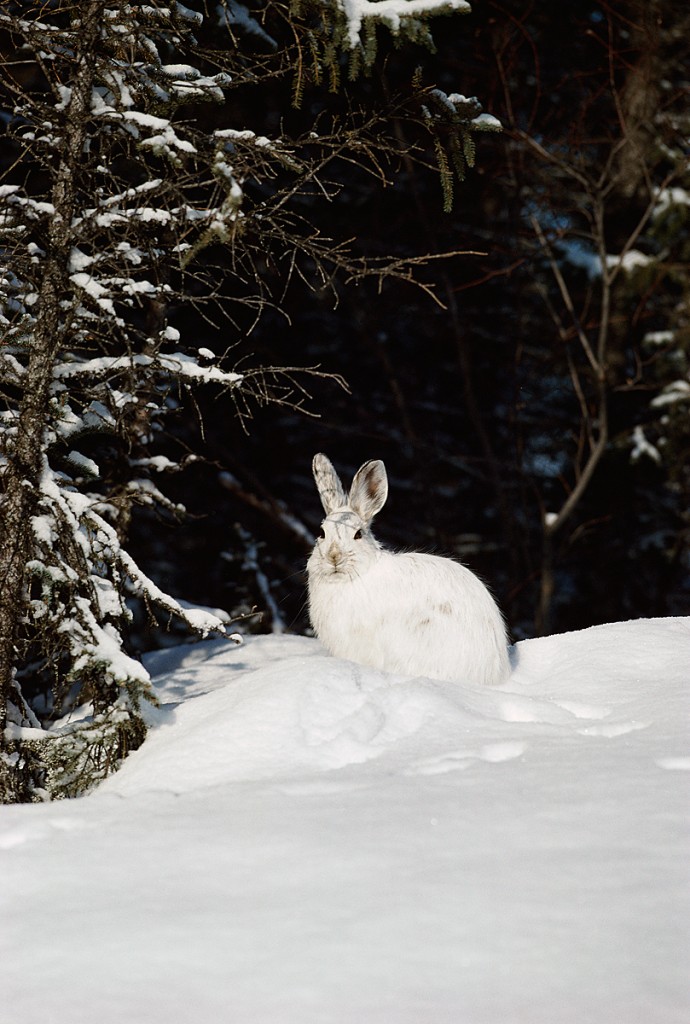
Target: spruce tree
{"x":117,"y":191}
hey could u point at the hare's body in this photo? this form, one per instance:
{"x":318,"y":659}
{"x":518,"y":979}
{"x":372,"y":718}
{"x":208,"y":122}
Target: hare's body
{"x":411,"y":614}
{"x":438,"y":620}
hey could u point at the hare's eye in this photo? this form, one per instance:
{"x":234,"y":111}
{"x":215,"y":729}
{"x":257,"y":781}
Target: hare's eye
{"x":358,"y":535}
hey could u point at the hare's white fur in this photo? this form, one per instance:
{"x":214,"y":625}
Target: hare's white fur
{"x":407,"y":613}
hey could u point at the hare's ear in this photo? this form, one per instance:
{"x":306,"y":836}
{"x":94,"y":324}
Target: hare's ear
{"x":369,"y":490}
{"x":328,"y":484}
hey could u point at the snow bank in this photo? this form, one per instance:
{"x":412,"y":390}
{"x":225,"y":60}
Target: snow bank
{"x":304,"y":840}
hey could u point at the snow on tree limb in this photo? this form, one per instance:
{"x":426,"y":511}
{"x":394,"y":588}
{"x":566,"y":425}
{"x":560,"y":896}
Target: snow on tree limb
{"x":177,"y":365}
{"x":393,"y":13}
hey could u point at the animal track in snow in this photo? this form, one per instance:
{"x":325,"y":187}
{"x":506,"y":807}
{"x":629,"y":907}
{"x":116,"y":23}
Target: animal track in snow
{"x":583,"y":710}
{"x":613,"y":729}
{"x":338,"y":710}
{"x":455,"y":761}
{"x":562,"y":712}
{"x":674,"y":764}
{"x":459,"y":760}
{"x":519,"y":708}
{"x":506,"y":751}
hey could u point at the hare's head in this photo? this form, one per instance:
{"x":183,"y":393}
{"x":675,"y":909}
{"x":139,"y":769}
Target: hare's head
{"x":345,"y":547}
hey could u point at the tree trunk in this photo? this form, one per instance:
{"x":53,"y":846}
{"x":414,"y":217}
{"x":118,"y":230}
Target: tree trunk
{"x":24,"y":460}
{"x":641,"y":96}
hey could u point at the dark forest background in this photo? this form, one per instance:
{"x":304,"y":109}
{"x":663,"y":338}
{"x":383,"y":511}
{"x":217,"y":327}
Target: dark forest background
{"x":484,"y":404}
{"x":531,"y":410}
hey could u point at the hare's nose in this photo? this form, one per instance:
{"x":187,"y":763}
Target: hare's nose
{"x":334,"y":554}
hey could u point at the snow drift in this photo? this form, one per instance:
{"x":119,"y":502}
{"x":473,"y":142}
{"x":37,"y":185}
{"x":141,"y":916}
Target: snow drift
{"x":301,"y":839}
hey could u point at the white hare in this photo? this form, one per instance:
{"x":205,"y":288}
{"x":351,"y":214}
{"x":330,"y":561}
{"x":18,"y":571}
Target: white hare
{"x":407,"y":613}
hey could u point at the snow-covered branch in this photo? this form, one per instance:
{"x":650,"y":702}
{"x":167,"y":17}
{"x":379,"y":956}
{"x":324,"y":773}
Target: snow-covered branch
{"x":394,"y":14}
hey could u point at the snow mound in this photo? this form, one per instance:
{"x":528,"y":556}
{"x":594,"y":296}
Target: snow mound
{"x":301,"y":840}
{"x":281,"y":708}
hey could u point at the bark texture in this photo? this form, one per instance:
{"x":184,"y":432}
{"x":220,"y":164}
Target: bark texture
{"x":24,"y":459}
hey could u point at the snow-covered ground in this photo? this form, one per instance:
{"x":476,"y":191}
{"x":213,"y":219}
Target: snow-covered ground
{"x":304,"y":841}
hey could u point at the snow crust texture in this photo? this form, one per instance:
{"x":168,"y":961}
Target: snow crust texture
{"x":301,"y":839}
